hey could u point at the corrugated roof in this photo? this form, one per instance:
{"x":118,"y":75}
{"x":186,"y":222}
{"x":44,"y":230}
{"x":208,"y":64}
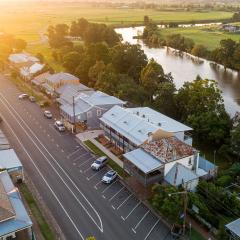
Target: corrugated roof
{"x":179,"y":174}
{"x":9,"y":159}
{"x":38,"y":80}
{"x":34,"y":68}
{"x":4,"y":143}
{"x":58,"y":77}
{"x":22,"y":57}
{"x":234,"y":227}
{"x":72,"y":87}
{"x":142,"y":160}
{"x":21,"y":219}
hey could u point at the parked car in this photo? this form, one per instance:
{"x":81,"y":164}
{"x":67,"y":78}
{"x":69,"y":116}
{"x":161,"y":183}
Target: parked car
{"x":47,"y":114}
{"x":32,"y":99}
{"x":59,"y":126}
{"x":99,"y":163}
{"x":23,"y":96}
{"x":109,"y":177}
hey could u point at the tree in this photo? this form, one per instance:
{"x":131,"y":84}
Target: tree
{"x":235,"y":141}
{"x":71,"y":61}
{"x":146,"y":20}
{"x":107,"y":80}
{"x":200,"y":104}
{"x":151,"y":76}
{"x":40,"y":57}
{"x":164,"y":98}
{"x":199,"y":50}
{"x":170,"y":206}
{"x":19,"y":44}
{"x":62,"y":29}
{"x":128,"y":59}
{"x":95,"y":71}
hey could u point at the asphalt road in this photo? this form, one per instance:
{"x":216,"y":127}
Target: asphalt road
{"x":60,"y":169}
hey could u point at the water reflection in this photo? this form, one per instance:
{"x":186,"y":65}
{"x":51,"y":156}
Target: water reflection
{"x":183,"y":69}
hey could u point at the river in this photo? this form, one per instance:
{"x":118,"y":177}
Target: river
{"x":184,"y":69}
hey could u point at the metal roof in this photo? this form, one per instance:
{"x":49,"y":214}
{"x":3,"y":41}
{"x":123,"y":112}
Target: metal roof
{"x":58,"y":77}
{"x":22,"y":58}
{"x":21,"y":219}
{"x":4,"y":143}
{"x":34,"y":68}
{"x":179,"y":174}
{"x":38,"y":80}
{"x":234,"y":227}
{"x":9,"y":160}
{"x":142,"y":160}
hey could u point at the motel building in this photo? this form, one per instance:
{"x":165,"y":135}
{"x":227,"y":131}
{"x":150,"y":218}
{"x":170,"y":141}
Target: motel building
{"x":157,"y":149}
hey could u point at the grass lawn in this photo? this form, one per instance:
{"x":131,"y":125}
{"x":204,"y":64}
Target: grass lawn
{"x":27,"y":21}
{"x":100,"y":153}
{"x":44,"y":228}
{"x":207,"y":36}
{"x":196,"y":235}
{"x":46,"y":51}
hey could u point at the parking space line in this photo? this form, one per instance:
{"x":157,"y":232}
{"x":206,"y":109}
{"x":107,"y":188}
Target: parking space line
{"x":152,"y":229}
{"x":85,"y":162}
{"x":95,"y":174}
{"x":124,"y":201}
{"x":71,"y":154}
{"x":79,"y":156}
{"x":137,"y":225}
{"x":97,"y":184}
{"x":87,"y":170}
{"x":116,"y":194}
{"x":109,"y":186}
{"x":131,"y":211}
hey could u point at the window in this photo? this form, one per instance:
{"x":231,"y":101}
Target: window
{"x":89,"y":114}
{"x":99,"y":112}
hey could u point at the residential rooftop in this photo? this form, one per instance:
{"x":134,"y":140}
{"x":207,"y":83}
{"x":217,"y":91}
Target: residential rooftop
{"x":4,"y":143}
{"x":62,"y":76}
{"x":38,"y":80}
{"x":137,"y":124}
{"x":234,"y":227}
{"x":9,"y":160}
{"x":22,"y":58}
{"x":168,"y":149}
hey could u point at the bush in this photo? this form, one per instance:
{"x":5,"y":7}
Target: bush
{"x":224,"y":181}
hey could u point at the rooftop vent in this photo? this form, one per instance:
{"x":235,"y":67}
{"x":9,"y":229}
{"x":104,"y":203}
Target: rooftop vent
{"x":159,"y":124}
{"x":143,"y":116}
{"x":137,"y":113}
{"x":125,"y":122}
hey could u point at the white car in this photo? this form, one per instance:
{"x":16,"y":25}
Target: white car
{"x":59,"y":126}
{"x":99,"y":163}
{"x":23,"y":96}
{"x":47,"y":114}
{"x":109,"y":177}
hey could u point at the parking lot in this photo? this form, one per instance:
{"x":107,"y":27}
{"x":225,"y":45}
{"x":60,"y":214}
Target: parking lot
{"x":142,"y":222}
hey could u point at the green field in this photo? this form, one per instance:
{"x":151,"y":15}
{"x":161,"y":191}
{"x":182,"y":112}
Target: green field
{"x":28,"y":21}
{"x":207,"y":36}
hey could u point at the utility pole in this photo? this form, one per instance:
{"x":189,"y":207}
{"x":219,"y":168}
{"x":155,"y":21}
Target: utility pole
{"x":74,"y":121}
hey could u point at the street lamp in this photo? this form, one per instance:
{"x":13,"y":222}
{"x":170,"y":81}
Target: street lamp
{"x":184,"y":193}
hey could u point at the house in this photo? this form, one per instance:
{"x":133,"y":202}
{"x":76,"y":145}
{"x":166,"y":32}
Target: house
{"x":55,"y":81}
{"x":18,"y":58}
{"x":27,"y":72}
{"x":233,"y":229}
{"x":128,"y":128}
{"x":85,"y":106}
{"x":40,"y":79}
{"x":230,"y":28}
{"x":14,"y":219}
{"x":167,"y":159}
{"x":9,"y":161}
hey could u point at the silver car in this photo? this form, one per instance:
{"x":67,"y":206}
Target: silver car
{"x":109,"y":177}
{"x":59,"y":126}
{"x":47,"y":114}
{"x":99,"y":163}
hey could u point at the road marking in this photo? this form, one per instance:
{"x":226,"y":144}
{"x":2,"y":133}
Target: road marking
{"x":103,"y":196}
{"x":124,"y":201}
{"x":52,"y":140}
{"x":134,"y":229}
{"x":48,"y":135}
{"x":95,"y":174}
{"x":108,"y":187}
{"x":87,"y":169}
{"x":132,"y":210}
{"x":113,"y":207}
{"x":77,"y":158}
{"x":57,"y":145}
{"x":71,"y":154}
{"x":97,"y":185}
{"x":85,"y":162}
{"x":152,"y":229}
{"x":116,"y":194}
{"x":45,"y":181}
{"x":62,"y":150}
{"x":8,"y":106}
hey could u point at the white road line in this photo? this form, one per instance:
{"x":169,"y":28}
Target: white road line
{"x":145,"y":215}
{"x":132,"y":210}
{"x":56,"y":162}
{"x":124,"y":201}
{"x":152,"y":229}
{"x":108,"y":187}
{"x":48,"y":135}
{"x":57,"y":145}
{"x":97,"y":185}
{"x":77,"y":158}
{"x":87,"y":169}
{"x":85,"y":162}
{"x":71,"y":154}
{"x":113,"y":207}
{"x":45,"y":181}
{"x":116,"y":194}
{"x":95,"y":174}
{"x":62,"y":150}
